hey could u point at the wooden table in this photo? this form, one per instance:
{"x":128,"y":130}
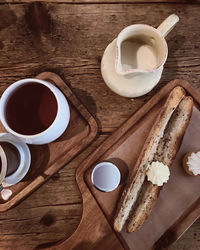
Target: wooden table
{"x":69,"y":38}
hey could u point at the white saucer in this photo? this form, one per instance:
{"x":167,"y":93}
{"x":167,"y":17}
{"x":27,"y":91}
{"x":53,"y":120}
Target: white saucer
{"x":131,"y":85}
{"x":25,"y":159}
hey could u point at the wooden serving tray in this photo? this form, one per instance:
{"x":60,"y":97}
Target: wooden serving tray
{"x":178,"y":205}
{"x":47,"y":159}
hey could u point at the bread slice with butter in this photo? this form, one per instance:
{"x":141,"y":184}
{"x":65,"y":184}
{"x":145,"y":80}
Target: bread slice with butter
{"x":166,"y":151}
{"x":147,"y":154}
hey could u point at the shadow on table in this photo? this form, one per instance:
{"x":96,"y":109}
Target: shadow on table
{"x":174,"y":44}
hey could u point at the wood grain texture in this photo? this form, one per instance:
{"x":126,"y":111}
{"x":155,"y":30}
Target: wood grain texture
{"x":69,"y":39}
{"x":102,"y":1}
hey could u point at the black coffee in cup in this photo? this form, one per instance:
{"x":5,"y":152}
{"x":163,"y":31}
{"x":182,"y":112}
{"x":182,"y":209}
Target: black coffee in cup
{"x":31,"y":109}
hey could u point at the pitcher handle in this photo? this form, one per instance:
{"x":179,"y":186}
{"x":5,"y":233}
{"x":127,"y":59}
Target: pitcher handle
{"x":168,"y":24}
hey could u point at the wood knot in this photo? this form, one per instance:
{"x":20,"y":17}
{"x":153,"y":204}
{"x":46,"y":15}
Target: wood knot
{"x":47,"y":220}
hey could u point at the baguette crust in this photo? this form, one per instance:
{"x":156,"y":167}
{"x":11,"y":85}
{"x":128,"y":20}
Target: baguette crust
{"x":166,"y":152}
{"x":134,"y":185}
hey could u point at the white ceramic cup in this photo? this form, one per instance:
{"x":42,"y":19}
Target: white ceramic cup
{"x":106,"y":176}
{"x":59,"y":124}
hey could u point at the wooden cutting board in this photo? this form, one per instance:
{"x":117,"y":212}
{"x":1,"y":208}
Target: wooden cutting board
{"x":178,"y":205}
{"x":47,"y":159}
{"x":178,"y":197}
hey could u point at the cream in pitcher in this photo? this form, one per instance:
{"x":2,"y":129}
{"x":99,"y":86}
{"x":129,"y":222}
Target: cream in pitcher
{"x":133,"y":63}
{"x":134,"y":50}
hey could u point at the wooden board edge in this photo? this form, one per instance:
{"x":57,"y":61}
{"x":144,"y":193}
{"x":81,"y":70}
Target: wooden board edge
{"x":179,"y":227}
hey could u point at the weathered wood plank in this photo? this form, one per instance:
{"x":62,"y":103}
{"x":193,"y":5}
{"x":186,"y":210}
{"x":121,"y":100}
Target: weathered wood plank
{"x":102,"y":1}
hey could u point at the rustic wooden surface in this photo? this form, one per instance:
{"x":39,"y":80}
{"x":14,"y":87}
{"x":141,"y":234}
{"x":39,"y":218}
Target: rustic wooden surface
{"x":103,"y":1}
{"x":69,"y":39}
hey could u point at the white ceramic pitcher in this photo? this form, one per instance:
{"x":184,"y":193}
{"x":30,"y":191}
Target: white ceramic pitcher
{"x":142,"y":48}
{"x":133,"y":63}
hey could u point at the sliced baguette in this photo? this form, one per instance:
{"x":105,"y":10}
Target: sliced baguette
{"x":166,"y":151}
{"x":134,"y":185}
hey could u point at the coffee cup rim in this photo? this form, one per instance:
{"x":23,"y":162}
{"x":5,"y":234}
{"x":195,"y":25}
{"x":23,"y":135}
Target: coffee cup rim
{"x":6,"y":95}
